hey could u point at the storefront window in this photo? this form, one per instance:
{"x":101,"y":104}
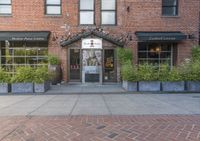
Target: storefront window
{"x":156,"y":53}
{"x":22,"y":54}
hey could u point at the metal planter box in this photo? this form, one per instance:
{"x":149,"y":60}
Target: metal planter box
{"x":22,"y":88}
{"x":149,"y":86}
{"x":130,"y":86}
{"x":193,"y":86}
{"x":41,"y":88}
{"x":178,"y":86}
{"x":4,"y":88}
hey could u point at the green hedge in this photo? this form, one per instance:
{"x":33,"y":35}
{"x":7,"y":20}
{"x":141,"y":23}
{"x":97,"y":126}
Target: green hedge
{"x":4,"y":77}
{"x":124,"y":55}
{"x":53,"y":60}
{"x":41,"y":74}
{"x":187,"y":71}
{"x":129,"y":72}
{"x":30,"y":75}
{"x":23,"y":75}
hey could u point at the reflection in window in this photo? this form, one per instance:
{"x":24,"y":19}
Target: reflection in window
{"x":170,"y":7}
{"x":156,"y":54}
{"x":86,"y":12}
{"x":15,"y":56}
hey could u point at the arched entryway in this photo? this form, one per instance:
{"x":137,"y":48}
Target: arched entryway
{"x":92,"y":58}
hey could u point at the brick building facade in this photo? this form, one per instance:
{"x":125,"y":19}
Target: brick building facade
{"x":156,"y":30}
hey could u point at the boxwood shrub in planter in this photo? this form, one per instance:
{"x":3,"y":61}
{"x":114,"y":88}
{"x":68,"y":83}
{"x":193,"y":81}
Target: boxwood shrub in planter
{"x":22,"y":81}
{"x":4,"y":82}
{"x":191,"y":71}
{"x":172,"y":80}
{"x":148,"y":78}
{"x":129,"y":76}
{"x":41,"y":80}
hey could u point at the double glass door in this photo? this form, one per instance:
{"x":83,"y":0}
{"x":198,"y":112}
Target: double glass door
{"x":95,"y":65}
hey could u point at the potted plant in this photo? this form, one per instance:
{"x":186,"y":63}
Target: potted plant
{"x":191,"y":68}
{"x":22,"y":81}
{"x":148,"y":78}
{"x":124,"y":55}
{"x":129,"y":76}
{"x":4,"y":81}
{"x":172,"y":81}
{"x":41,"y":77}
{"x":54,"y":69}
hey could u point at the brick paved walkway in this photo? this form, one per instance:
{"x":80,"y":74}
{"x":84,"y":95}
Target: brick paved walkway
{"x":101,"y":128}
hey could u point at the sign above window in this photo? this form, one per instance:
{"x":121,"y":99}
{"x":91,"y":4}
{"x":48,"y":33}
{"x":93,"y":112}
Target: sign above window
{"x":92,"y":43}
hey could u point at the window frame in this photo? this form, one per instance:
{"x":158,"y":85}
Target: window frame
{"x":37,"y":47}
{"x":170,"y":6}
{"x":60,"y":5}
{"x":173,"y":46}
{"x":107,"y":10}
{"x":10,"y":8}
{"x":86,"y":10}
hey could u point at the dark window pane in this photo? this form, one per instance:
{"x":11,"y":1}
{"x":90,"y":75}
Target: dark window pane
{"x":42,"y":52}
{"x":19,"y":52}
{"x":142,"y":47}
{"x":169,"y":2}
{"x":142,"y":55}
{"x":165,"y":55}
{"x":153,"y":55}
{"x":31,"y":60}
{"x":19,"y":60}
{"x":31,"y":52}
{"x":169,"y":11}
{"x":166,"y":47}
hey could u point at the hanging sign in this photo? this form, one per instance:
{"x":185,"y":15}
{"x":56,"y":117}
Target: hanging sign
{"x":91,"y":44}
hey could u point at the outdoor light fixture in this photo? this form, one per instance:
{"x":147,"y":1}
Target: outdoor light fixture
{"x":191,"y":36}
{"x":128,"y":9}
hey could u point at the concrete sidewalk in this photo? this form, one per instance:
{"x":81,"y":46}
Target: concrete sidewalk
{"x":88,"y":88}
{"x":99,"y":104}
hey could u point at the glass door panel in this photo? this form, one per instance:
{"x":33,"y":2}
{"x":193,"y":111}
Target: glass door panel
{"x":92,"y":65}
{"x":75,"y":64}
{"x":109,"y":66}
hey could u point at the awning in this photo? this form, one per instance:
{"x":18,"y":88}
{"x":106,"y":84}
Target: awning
{"x":24,"y":35}
{"x":160,"y":36}
{"x":117,"y":41}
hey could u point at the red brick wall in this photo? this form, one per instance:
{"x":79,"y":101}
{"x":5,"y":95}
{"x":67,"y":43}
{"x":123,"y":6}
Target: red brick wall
{"x":144,"y":15}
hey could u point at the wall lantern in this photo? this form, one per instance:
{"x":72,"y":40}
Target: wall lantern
{"x":128,"y":9}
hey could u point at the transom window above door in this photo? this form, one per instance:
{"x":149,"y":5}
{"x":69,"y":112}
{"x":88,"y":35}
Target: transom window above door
{"x":53,"y":7}
{"x":86,"y":13}
{"x":5,"y":7}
